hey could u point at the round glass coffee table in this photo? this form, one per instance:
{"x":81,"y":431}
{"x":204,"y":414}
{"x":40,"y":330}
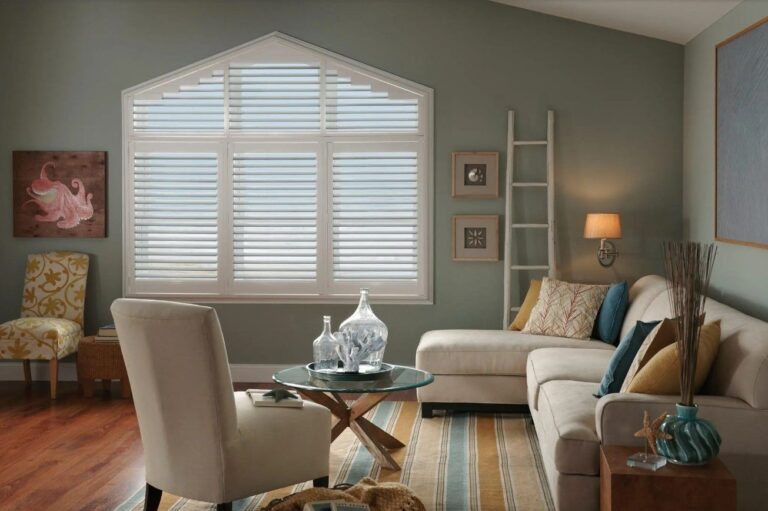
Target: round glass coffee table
{"x":328,"y":393}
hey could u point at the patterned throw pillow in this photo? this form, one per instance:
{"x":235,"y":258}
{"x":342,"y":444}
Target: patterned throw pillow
{"x":565,"y":309}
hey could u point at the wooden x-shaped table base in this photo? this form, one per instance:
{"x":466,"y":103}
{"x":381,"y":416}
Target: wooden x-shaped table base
{"x":376,"y":440}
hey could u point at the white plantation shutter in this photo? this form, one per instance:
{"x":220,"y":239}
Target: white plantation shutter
{"x":278,"y":171}
{"x":360,"y":106}
{"x":274,"y":97}
{"x":275,"y":218}
{"x":376,"y":205}
{"x":198,"y":107}
{"x":175,"y":216}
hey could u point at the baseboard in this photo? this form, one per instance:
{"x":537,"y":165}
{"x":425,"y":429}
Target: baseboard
{"x":11,"y":370}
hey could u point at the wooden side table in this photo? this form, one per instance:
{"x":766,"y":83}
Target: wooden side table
{"x":671,"y":488}
{"x":101,"y":361}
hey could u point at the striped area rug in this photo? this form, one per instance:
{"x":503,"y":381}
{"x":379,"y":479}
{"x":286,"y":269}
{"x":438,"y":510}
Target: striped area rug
{"x":456,"y":462}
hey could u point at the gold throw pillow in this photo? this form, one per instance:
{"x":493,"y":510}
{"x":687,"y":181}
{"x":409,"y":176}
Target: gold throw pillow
{"x":525,"y":309}
{"x":660,"y":337}
{"x":661,"y":375}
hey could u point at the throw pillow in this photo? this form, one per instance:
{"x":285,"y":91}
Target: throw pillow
{"x":610,"y":317}
{"x":661,"y":375}
{"x":622,"y":358}
{"x":662,"y":336}
{"x":565,"y":309}
{"x":525,"y":309}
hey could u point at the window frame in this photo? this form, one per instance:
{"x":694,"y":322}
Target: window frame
{"x":224,"y":289}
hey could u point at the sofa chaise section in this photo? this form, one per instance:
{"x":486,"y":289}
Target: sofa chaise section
{"x":485,"y":367}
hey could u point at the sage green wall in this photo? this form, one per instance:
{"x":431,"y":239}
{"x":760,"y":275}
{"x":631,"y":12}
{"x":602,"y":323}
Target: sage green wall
{"x":618,"y":99}
{"x":740,"y":277}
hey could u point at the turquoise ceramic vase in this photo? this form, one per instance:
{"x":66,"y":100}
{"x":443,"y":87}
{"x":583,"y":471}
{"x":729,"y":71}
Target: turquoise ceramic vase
{"x":694,"y":441}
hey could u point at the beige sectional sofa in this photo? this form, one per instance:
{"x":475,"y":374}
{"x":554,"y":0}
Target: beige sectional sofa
{"x":557,"y":378}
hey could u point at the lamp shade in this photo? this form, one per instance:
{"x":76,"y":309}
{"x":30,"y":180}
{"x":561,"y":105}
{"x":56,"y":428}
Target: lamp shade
{"x":602,"y":225}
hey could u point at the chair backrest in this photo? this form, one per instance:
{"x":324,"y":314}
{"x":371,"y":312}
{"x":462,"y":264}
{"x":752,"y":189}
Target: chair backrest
{"x":177,"y":365}
{"x":54,"y":286}
{"x":741,"y":367}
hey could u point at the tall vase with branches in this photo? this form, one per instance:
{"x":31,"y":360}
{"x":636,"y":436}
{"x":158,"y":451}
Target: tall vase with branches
{"x":688,"y":267}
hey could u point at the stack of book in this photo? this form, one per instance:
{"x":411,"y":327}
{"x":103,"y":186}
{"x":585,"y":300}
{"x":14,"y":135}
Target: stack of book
{"x":107,"y":334}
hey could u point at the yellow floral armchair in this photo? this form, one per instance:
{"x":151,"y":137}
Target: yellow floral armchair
{"x":51,"y":323}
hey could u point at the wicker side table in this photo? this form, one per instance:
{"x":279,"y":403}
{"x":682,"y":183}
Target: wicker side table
{"x":101,"y":361}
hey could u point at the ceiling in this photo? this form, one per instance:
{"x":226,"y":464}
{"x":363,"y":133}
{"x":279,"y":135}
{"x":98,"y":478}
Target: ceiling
{"x":677,"y":21}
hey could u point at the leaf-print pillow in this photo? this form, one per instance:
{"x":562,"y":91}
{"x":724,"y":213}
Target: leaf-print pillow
{"x":565,"y":309}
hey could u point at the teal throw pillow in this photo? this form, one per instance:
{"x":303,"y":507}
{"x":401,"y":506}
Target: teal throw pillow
{"x":622,"y":358}
{"x":610,"y":317}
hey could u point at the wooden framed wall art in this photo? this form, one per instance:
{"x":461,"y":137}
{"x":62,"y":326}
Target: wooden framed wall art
{"x":475,"y":174}
{"x":475,"y":238}
{"x":59,"y":194}
{"x":741,"y":140}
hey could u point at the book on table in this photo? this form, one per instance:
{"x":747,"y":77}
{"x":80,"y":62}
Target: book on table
{"x":259,"y":399}
{"x":107,"y":331}
{"x":106,"y":339}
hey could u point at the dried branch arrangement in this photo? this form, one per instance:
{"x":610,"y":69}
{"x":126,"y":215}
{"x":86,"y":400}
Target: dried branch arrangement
{"x":689,"y":267}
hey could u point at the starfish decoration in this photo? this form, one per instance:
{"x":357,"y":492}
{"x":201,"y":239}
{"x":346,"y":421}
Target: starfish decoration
{"x":280,"y":394}
{"x":651,"y":431}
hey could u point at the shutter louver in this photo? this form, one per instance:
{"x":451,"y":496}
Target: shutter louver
{"x":375,"y":216}
{"x":275,"y":216}
{"x":274,"y":97}
{"x":175,"y":215}
{"x":357,"y":107}
{"x":193,"y":108}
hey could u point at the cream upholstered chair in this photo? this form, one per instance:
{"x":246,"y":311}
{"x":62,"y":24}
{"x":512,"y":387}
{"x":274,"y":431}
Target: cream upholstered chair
{"x":202,"y":440}
{"x":51,"y":323}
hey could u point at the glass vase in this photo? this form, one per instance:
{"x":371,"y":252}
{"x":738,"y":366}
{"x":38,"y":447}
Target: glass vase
{"x":364,"y":337}
{"x":694,"y":441}
{"x":324,"y":349}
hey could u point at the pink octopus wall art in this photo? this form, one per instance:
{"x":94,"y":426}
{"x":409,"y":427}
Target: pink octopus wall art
{"x":59,"y":194}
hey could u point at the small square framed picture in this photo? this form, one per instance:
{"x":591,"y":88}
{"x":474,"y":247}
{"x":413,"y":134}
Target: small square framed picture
{"x":476,"y":238}
{"x":476,"y":175}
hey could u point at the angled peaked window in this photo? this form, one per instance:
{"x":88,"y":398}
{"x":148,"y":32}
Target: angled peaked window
{"x":278,"y":171}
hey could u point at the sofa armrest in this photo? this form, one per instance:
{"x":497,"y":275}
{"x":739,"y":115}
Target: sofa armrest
{"x":743,"y":428}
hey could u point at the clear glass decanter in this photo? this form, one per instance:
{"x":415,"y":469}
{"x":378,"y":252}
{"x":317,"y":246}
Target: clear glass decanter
{"x":324,"y":349}
{"x":363,"y":337}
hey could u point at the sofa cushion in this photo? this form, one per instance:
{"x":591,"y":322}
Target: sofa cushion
{"x":489,"y":352}
{"x":610,"y":317}
{"x":623,"y":357}
{"x":660,"y":337}
{"x":565,"y":309}
{"x":531,"y":297}
{"x":567,"y":418}
{"x":661,"y":375}
{"x":551,"y":364}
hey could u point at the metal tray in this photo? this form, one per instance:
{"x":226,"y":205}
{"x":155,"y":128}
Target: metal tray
{"x":339,"y":375}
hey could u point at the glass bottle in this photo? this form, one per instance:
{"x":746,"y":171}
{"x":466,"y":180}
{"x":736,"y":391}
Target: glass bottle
{"x":368,"y":333}
{"x":324,"y":349}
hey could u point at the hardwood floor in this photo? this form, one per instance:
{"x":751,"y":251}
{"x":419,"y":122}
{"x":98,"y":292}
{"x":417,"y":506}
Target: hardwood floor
{"x":74,"y":453}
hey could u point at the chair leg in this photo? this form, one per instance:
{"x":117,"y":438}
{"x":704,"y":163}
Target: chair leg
{"x":27,"y":372}
{"x":227,"y":506}
{"x":152,"y":498}
{"x":53,"y":367}
{"x":321,"y":482}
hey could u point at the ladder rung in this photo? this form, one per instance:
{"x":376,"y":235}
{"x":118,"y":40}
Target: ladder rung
{"x":530,"y":226}
{"x":529,"y":267}
{"x":530,"y":142}
{"x":514,"y":309}
{"x":521,"y":184}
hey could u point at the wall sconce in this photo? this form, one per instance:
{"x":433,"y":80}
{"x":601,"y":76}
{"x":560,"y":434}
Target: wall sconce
{"x":603,"y":226}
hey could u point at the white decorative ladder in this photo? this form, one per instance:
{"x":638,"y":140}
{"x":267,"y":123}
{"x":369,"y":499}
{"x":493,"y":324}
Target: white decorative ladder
{"x":510,"y":226}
